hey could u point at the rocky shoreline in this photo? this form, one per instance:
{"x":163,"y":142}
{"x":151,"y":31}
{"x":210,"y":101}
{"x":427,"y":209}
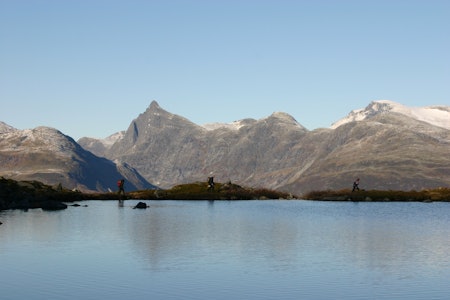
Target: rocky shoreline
{"x":33,"y":194}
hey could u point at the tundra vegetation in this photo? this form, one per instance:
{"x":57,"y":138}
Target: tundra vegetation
{"x":200,"y":191}
{"x":426,"y":195}
{"x":34,"y":194}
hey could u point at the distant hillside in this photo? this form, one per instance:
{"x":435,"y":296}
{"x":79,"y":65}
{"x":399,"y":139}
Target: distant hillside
{"x":100,"y":146}
{"x":45,"y":154}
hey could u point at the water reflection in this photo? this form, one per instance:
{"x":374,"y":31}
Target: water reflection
{"x":227,"y":250}
{"x":173,"y":238}
{"x":285,"y":236}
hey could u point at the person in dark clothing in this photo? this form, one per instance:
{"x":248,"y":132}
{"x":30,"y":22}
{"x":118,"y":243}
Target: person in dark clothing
{"x":356,"y":185}
{"x":210,"y":183}
{"x":120,"y":185}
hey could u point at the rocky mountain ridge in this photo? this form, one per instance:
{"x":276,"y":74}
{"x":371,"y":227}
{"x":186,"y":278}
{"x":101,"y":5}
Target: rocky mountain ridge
{"x":387,"y":145}
{"x":384,"y":145}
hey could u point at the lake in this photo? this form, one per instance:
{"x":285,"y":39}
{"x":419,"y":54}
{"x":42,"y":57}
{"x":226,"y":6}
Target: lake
{"x":273,"y":249}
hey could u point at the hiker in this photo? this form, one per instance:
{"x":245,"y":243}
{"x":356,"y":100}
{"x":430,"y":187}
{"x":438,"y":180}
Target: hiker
{"x":356,"y":185}
{"x":120,"y":184}
{"x":210,"y":183}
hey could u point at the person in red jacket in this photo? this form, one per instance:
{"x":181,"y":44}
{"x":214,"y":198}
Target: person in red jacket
{"x":120,"y":185}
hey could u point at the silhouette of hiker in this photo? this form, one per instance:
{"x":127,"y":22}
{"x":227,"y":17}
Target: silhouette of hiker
{"x":120,"y":184}
{"x":210,"y":183}
{"x":356,"y":185}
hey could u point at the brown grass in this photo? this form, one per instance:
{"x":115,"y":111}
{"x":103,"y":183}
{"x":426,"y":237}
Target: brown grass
{"x":438,"y":194}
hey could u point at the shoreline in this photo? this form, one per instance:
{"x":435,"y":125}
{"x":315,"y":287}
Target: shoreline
{"x":33,"y":194}
{"x":426,"y":195}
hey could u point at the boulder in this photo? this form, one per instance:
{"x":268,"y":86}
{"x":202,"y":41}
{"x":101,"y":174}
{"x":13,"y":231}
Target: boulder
{"x":141,"y":205}
{"x":53,"y":205}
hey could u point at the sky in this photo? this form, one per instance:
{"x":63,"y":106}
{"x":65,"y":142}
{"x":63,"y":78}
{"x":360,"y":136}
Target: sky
{"x":89,"y":67}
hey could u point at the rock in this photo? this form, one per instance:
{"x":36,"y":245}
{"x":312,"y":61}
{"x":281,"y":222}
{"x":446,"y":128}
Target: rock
{"x":53,"y":205}
{"x":78,"y":205}
{"x":141,"y":205}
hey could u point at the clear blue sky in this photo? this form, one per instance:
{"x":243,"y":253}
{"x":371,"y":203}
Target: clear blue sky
{"x":89,"y":67}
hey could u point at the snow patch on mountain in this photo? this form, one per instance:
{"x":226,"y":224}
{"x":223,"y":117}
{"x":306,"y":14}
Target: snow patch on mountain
{"x":236,"y":125}
{"x":434,"y":115}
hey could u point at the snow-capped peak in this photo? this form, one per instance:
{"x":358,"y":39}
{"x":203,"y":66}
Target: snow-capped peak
{"x":434,"y":115}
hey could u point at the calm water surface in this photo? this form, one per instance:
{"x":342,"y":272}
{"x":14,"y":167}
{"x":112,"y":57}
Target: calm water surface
{"x":227,"y":250}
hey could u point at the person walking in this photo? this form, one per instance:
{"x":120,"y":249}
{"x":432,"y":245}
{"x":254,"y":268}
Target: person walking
{"x":211,"y":183}
{"x":120,"y":185}
{"x":356,"y":185}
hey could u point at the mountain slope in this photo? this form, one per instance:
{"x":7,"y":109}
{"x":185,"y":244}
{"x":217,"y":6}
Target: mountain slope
{"x":47,"y":155}
{"x":387,"y":145}
{"x":389,"y":151}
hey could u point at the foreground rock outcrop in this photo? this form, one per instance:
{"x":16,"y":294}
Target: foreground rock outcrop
{"x":33,"y":194}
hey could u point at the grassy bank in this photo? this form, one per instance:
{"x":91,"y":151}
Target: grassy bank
{"x":200,"y":191}
{"x":427,"y":195}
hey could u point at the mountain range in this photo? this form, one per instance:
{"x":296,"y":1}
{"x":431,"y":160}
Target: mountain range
{"x":386,"y":145}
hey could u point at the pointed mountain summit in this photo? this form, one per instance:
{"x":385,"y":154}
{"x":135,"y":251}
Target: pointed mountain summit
{"x":149,"y":126}
{"x":154,"y":114}
{"x":158,"y":141}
